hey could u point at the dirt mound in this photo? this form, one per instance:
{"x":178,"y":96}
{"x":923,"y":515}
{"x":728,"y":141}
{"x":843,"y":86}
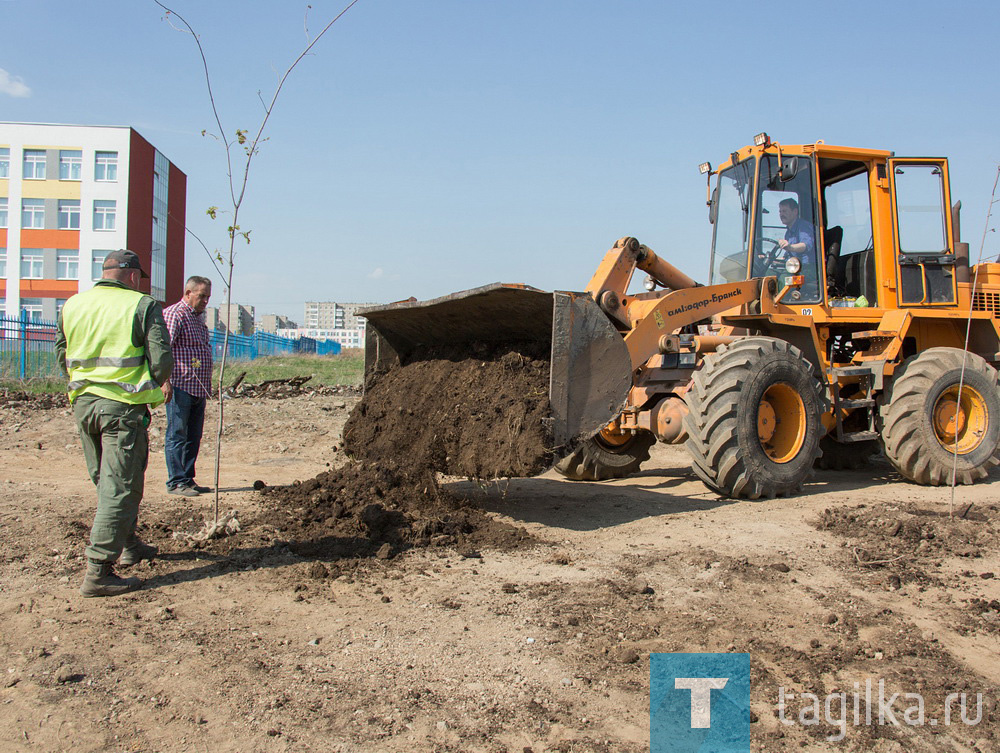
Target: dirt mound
{"x":32,"y":401}
{"x":479,"y":412}
{"x":380,"y":509}
{"x":904,"y":540}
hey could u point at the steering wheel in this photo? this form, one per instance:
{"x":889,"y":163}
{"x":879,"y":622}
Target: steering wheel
{"x":770,"y":257}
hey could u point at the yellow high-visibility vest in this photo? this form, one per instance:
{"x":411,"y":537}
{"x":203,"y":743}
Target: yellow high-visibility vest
{"x":100,"y":356}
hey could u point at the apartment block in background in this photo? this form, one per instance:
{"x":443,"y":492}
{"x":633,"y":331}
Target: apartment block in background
{"x":271,"y":323}
{"x":69,"y":194}
{"x":235,"y":317}
{"x":331,"y":315}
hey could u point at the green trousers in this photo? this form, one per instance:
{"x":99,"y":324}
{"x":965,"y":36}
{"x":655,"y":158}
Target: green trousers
{"x":116,"y":447}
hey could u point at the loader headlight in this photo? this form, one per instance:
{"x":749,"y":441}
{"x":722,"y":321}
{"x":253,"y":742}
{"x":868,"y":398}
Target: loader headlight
{"x":705,"y":167}
{"x":793,"y":265}
{"x":761,"y":139}
{"x":649,"y":283}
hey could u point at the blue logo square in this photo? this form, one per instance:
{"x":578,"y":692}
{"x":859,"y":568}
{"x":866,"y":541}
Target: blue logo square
{"x":699,"y":703}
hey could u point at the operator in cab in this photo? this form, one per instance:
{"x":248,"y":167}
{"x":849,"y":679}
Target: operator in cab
{"x":800,"y":237}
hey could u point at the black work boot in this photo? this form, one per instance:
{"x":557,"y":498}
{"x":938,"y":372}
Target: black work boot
{"x":101,"y":580}
{"x":136,"y":553}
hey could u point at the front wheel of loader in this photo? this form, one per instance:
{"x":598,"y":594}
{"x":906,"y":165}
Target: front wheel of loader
{"x":925,"y":420}
{"x":753,"y":419}
{"x":607,"y":456}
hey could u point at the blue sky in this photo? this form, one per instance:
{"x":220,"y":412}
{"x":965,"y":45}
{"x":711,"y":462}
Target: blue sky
{"x":429,"y":147}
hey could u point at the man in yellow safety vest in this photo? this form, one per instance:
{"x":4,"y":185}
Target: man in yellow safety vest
{"x":114,"y":347}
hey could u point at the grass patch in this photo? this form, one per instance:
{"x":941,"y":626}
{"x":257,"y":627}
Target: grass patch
{"x":36,"y":386}
{"x":345,"y":368}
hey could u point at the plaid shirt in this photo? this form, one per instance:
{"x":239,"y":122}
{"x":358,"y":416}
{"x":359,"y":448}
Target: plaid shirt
{"x":192,"y":353}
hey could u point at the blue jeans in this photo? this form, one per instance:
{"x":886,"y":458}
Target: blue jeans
{"x":185,"y":421}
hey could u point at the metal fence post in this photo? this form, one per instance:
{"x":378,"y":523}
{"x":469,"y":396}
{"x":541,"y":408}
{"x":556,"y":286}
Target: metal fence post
{"x":24,"y":342}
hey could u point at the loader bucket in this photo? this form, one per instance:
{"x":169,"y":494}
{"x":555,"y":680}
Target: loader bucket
{"x":590,"y":374}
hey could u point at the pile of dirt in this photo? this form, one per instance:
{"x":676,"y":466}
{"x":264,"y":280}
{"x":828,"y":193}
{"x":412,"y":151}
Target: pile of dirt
{"x":32,"y":401}
{"x":380,"y":509}
{"x":478,"y":412}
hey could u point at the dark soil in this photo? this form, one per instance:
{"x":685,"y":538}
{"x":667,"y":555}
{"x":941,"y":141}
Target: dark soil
{"x":33,"y":401}
{"x":380,"y":509}
{"x":478,"y":412}
{"x":905,"y":541}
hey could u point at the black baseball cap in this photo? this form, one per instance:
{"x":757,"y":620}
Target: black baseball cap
{"x":123,"y":259}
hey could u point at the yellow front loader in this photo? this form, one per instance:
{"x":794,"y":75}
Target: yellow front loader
{"x":841,"y":317}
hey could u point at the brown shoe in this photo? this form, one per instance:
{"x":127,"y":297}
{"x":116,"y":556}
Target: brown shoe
{"x":101,"y":580}
{"x":183,"y":491}
{"x":137,"y":553}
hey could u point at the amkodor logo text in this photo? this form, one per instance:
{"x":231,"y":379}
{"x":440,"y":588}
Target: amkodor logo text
{"x":699,"y":703}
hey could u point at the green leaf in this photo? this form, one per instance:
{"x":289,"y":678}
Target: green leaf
{"x":212,"y":211}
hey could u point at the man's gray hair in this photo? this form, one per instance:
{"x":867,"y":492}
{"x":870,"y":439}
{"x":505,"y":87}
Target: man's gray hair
{"x":194,"y":280}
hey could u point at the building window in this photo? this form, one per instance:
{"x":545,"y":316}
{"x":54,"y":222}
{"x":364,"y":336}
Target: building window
{"x":5,"y":162}
{"x":69,"y":214}
{"x":31,"y":264}
{"x":104,"y":214}
{"x":3,"y":211}
{"x":34,"y":164}
{"x":70,"y":164}
{"x":97,"y":265}
{"x":32,"y":213}
{"x":3,"y":263}
{"x":67,"y":265}
{"x":33,"y":308}
{"x":60,"y":302}
{"x":106,"y":166}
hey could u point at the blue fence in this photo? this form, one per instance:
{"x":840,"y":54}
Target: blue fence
{"x":28,"y":347}
{"x":249,"y":347}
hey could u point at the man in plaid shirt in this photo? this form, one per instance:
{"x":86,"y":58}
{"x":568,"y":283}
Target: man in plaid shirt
{"x":189,"y":385}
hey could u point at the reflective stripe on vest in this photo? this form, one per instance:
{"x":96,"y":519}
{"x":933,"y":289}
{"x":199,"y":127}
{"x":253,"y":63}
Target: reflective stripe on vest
{"x":100,"y":356}
{"x":89,"y":363}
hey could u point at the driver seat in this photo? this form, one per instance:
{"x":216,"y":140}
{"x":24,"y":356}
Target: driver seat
{"x":832,"y":238}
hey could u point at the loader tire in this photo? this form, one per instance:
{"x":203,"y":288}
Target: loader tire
{"x":920,"y":428}
{"x":595,"y":460}
{"x":846,"y":456}
{"x":736,"y":446}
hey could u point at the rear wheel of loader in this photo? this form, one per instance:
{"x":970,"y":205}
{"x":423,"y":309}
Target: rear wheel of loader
{"x":924,"y":420}
{"x":753,"y":419}
{"x":607,"y":456}
{"x":845,"y":456}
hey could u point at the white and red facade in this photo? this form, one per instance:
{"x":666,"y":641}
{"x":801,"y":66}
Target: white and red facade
{"x":69,"y":195}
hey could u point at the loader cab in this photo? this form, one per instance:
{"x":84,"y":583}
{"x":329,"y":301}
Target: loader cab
{"x":764,"y":212}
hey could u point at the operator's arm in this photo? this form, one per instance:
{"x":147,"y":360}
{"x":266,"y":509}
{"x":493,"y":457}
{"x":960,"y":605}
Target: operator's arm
{"x":150,"y":330}
{"x":61,"y":347}
{"x":801,"y":242}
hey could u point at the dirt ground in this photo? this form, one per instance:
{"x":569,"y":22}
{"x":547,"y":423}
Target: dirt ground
{"x":265,"y":642}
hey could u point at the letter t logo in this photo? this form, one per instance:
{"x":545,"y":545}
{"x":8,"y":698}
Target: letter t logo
{"x":701,"y":697}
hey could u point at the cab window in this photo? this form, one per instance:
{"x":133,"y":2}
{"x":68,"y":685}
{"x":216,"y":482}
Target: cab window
{"x":786,"y":226}
{"x":920,"y":209}
{"x":849,"y":249}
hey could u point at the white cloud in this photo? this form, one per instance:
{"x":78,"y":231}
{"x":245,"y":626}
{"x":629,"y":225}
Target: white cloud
{"x":13,"y":86}
{"x":377,"y":274}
